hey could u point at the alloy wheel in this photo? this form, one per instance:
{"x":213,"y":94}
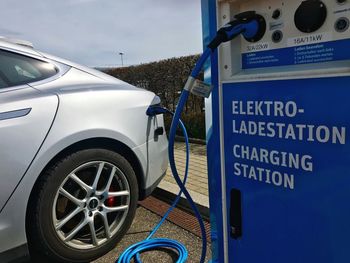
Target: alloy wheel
{"x":91,"y":205}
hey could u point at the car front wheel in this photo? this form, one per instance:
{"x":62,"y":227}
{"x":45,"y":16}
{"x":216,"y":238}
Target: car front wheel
{"x":84,"y":205}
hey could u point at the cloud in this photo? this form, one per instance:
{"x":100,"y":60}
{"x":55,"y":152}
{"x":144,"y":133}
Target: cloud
{"x":92,"y":32}
{"x":9,"y":33}
{"x":79,"y":2}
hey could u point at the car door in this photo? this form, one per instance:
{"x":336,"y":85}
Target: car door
{"x":26,"y":115}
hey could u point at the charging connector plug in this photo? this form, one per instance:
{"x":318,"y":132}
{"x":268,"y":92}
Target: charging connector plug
{"x":155,"y":110}
{"x":251,"y":25}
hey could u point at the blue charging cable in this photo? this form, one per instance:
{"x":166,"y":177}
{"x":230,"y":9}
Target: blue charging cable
{"x":249,"y":25}
{"x":150,"y":243}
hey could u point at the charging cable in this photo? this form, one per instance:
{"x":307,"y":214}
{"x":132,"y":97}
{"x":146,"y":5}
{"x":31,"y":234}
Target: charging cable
{"x":250,"y":25}
{"x":150,"y":242}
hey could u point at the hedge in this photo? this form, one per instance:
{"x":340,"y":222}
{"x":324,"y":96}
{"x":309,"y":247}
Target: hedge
{"x":194,"y":123}
{"x":166,"y":78}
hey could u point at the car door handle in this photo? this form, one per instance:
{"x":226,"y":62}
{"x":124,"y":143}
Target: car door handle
{"x":14,"y":114}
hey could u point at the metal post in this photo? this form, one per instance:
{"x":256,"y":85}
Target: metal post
{"x":121,"y":56}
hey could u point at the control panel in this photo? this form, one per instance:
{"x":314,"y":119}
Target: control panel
{"x":297,"y":32}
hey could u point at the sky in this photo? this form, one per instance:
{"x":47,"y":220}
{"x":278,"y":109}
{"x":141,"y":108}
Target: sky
{"x":94,"y":32}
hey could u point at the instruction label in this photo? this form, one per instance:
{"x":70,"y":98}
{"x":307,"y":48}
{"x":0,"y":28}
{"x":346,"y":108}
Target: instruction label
{"x":302,"y":50}
{"x":278,"y":139}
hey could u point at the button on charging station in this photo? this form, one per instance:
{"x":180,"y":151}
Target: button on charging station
{"x":276,"y":14}
{"x":342,"y":24}
{"x":277,"y":36}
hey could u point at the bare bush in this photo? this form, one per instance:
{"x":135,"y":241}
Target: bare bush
{"x":166,"y":78}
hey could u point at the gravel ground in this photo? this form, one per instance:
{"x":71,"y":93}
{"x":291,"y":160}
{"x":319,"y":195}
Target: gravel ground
{"x":143,"y":223}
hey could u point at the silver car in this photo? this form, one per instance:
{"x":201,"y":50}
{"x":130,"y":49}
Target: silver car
{"x":77,"y":152}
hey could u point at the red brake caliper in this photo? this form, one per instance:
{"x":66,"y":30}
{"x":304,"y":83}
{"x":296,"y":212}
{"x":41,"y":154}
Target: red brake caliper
{"x":111,"y":201}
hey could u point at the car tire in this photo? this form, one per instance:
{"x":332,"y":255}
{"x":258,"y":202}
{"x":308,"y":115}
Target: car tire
{"x":69,"y":197}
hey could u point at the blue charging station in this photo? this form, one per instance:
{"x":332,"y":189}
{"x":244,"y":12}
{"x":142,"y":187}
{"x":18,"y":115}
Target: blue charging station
{"x":277,"y":133}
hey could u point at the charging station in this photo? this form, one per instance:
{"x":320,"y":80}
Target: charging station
{"x":277,"y":133}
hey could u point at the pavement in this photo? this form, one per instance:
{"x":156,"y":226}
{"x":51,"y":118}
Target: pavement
{"x":142,"y":225}
{"x":197,"y":183}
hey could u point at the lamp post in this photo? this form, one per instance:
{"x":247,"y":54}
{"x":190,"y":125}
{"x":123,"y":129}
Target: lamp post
{"x":121,"y":56}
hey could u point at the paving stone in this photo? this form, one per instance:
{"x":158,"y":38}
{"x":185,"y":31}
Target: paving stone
{"x":197,"y":182}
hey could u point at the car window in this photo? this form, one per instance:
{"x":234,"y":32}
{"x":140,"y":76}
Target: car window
{"x":16,"y":69}
{"x":3,"y":83}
